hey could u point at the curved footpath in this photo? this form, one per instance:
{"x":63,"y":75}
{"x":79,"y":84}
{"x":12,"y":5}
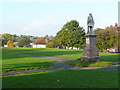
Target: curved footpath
{"x":61,"y":63}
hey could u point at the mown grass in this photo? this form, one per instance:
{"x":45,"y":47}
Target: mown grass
{"x":88,"y":64}
{"x":63,"y":79}
{"x":26,"y":63}
{"x":63,"y":53}
{"x":57,"y":78}
{"x":13,"y":63}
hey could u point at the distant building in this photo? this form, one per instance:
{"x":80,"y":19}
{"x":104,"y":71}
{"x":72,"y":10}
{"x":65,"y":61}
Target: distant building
{"x":33,"y":39}
{"x":17,"y":37}
{"x":71,"y":48}
{"x":5,"y":45}
{"x":118,"y":30}
{"x":50,"y":37}
{"x":37,"y":45}
{"x":15,"y":43}
{"x":46,"y":40}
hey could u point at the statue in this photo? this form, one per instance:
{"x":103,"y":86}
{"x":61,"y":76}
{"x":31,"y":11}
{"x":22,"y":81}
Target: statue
{"x":90,"y":53}
{"x":90,"y":24}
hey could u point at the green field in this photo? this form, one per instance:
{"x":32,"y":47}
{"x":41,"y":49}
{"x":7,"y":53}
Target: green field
{"x":63,"y":79}
{"x":56,"y":78}
{"x":11,"y":62}
{"x":64,"y":53}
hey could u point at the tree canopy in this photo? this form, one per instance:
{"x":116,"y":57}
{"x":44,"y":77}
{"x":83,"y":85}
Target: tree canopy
{"x":71,"y":35}
{"x":6,"y":37}
{"x":23,"y":42}
{"x":107,"y":38}
{"x":10,"y":43}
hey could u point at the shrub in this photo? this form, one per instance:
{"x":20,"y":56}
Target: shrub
{"x":50,"y":45}
{"x":100,"y":64}
{"x":79,"y":63}
{"x":10,"y":43}
{"x":88,"y":64}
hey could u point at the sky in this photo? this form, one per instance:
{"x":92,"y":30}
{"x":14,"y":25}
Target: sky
{"x":47,"y":17}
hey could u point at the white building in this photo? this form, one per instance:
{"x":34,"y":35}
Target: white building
{"x":5,"y":45}
{"x":37,"y":45}
{"x":71,"y":48}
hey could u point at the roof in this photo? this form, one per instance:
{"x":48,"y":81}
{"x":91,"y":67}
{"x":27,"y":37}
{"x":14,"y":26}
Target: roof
{"x":118,"y":29}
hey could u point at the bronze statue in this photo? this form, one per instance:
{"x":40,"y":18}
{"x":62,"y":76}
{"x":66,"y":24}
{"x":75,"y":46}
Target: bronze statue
{"x":90,"y":24}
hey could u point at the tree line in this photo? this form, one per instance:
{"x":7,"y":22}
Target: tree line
{"x":22,"y":40}
{"x":70,"y":35}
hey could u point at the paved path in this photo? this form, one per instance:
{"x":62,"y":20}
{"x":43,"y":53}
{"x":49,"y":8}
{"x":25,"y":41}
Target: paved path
{"x":61,"y":63}
{"x":44,"y":57}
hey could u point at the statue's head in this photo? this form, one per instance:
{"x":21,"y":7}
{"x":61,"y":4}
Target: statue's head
{"x":90,"y":14}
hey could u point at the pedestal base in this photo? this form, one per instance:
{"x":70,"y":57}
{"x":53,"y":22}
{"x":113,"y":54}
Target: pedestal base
{"x":90,"y":59}
{"x":91,"y":53}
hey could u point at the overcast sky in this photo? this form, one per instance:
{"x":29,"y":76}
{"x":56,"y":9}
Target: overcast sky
{"x":46,"y":17}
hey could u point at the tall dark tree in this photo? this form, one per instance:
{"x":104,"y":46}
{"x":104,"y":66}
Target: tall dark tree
{"x":71,"y":35}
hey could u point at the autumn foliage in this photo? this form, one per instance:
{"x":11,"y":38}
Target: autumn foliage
{"x":50,"y":45}
{"x":40,"y":40}
{"x":107,"y":38}
{"x":10,"y":43}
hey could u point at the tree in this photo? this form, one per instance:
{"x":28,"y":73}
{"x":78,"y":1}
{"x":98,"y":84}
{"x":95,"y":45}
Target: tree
{"x":40,"y":40}
{"x":50,"y":45}
{"x":6,"y":37}
{"x":23,"y":42}
{"x":106,"y":38}
{"x":46,"y":36}
{"x":10,"y":43}
{"x":71,"y":35}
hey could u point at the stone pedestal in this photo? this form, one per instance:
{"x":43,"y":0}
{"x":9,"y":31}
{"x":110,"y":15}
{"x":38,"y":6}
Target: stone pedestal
{"x":91,"y":53}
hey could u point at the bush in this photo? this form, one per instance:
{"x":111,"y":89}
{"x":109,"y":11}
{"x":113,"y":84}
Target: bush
{"x":10,"y":43}
{"x":88,"y":64}
{"x":100,"y":64}
{"x":23,"y":42}
{"x":50,"y":45}
{"x":79,"y":63}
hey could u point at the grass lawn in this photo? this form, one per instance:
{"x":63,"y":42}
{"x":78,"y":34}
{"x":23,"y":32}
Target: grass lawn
{"x":24,"y":63}
{"x":63,"y":79}
{"x":64,"y":53}
{"x":13,"y":63}
{"x":56,"y":78}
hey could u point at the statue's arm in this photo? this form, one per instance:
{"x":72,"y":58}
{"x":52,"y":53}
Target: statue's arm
{"x":93,"y":21}
{"x":88,"y":21}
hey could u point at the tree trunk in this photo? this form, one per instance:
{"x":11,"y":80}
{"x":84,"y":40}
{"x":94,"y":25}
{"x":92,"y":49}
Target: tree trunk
{"x":72,"y":47}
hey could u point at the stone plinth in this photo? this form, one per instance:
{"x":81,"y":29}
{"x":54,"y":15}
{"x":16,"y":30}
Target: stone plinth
{"x":90,"y":53}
